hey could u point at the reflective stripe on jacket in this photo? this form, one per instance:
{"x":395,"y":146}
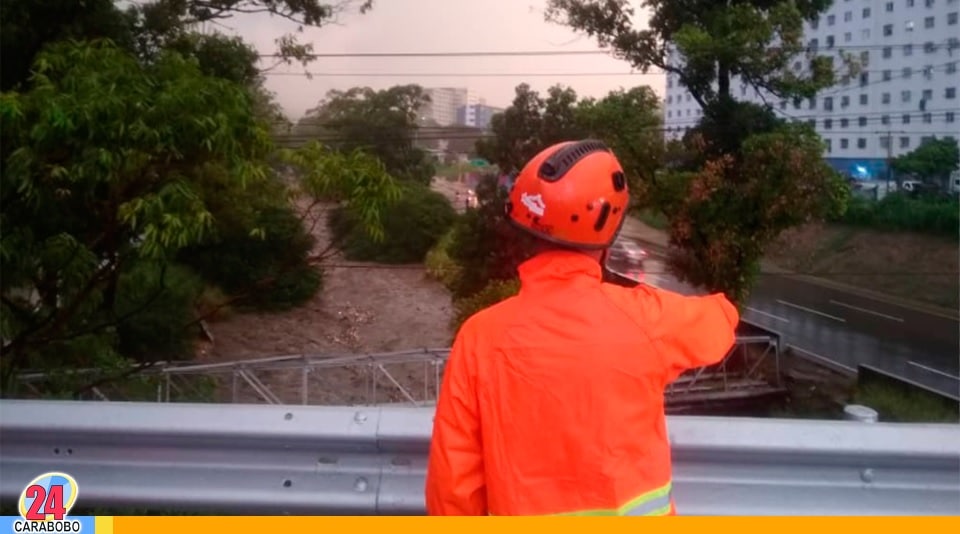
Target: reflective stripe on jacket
{"x":552,"y":401}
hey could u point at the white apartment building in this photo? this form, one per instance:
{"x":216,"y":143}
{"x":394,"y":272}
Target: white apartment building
{"x":905,"y":94}
{"x":444,"y":103}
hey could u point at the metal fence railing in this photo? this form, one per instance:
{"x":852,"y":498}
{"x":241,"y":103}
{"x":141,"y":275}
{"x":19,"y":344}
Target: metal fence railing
{"x":263,"y":459}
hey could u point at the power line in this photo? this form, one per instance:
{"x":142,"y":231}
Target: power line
{"x":456,"y":74}
{"x":547,"y":53}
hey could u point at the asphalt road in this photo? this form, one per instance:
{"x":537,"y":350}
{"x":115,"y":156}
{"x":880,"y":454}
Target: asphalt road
{"x":845,"y":329}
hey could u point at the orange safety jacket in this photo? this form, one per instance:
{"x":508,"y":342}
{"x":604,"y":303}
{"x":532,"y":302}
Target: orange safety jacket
{"x":552,"y":401}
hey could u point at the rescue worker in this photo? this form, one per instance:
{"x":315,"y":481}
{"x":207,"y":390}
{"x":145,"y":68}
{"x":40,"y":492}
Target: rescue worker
{"x":552,"y":401}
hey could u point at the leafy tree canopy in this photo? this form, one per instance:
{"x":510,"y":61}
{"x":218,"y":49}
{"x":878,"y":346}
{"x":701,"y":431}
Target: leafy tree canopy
{"x":932,"y":160}
{"x":381,"y":122}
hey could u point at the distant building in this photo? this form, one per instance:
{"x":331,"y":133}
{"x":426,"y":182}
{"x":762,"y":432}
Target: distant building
{"x":444,"y":103}
{"x":476,"y":115}
{"x":905,"y":94}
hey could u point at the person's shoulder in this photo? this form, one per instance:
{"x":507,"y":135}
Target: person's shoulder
{"x":491,"y":317}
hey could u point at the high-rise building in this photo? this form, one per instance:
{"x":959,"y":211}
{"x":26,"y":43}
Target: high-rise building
{"x":905,"y":93}
{"x":476,"y":115}
{"x":444,"y":103}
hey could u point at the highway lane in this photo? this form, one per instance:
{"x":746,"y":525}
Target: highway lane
{"x":845,"y":329}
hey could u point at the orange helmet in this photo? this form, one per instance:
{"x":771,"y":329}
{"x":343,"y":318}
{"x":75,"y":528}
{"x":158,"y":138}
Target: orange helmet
{"x":573,"y":194}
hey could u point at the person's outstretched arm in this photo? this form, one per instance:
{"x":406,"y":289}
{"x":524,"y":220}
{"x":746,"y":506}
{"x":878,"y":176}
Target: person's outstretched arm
{"x":456,"y":484}
{"x":692,"y":331}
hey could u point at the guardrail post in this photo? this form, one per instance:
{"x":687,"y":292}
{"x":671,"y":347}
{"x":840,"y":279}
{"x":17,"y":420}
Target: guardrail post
{"x":858,"y":412}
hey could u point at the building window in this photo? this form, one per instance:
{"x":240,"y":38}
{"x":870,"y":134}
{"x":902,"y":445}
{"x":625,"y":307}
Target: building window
{"x":829,"y":41}
{"x":844,"y":122}
{"x":866,"y":12}
{"x":929,"y":3}
{"x":928,"y":72}
{"x":847,"y":37}
{"x":909,"y":3}
{"x":907,"y":73}
{"x":862,"y":121}
{"x":953,"y":43}
{"x":908,"y":50}
{"x":865,"y":58}
{"x":887,"y":30}
{"x":864,"y":78}
{"x":885,"y":142}
{"x":885,"y":119}
{"x":848,"y":16}
{"x":814,"y":45}
{"x":928,"y":22}
{"x":831,"y":20}
{"x":929,"y":47}
{"x":812,"y":103}
{"x":812,"y":123}
{"x":828,"y":103}
{"x":950,"y":93}
{"x":827,"y":124}
{"x":669,"y":82}
{"x":927,"y":94}
{"x":863,"y":99}
{"x":865,"y":33}
{"x":904,"y":142}
{"x":927,"y":118}
{"x":861,"y":143}
{"x":905,"y":95}
{"x":889,"y":7}
{"x":844,"y":144}
{"x":950,"y":116}
{"x":951,"y":67}
{"x":926,"y":139}
{"x":887,"y":52}
{"x":815,"y":23}
{"x":952,"y":19}
{"x":829,"y":145}
{"x":844,"y":101}
{"x":906,"y":118}
{"x":887,"y":75}
{"x":885,"y":98}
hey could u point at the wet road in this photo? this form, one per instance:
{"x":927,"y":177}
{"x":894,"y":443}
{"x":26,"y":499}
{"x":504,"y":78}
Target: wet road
{"x":845,"y":329}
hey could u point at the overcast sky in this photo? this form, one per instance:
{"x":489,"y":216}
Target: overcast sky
{"x":439,"y":26}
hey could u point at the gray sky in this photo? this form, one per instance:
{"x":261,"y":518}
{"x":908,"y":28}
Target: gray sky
{"x":439,"y":26}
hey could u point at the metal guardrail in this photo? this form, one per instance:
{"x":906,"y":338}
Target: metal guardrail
{"x":262,"y":459}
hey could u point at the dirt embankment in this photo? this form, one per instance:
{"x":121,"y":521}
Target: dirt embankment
{"x":908,"y":265}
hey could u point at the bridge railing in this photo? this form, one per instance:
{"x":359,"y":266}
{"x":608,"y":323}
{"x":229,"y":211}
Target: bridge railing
{"x":268,"y":459}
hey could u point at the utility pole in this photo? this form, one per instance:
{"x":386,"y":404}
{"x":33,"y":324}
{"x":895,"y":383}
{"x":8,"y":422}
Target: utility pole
{"x":889,"y":160}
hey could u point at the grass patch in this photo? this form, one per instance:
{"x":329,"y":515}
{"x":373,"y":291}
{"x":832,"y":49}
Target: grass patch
{"x":652,"y":218}
{"x":897,"y":404}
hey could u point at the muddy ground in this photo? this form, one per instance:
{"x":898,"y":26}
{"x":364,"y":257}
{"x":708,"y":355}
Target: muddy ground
{"x":363,"y":308}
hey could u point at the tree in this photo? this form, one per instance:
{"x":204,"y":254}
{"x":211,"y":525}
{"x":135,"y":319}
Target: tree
{"x":719,"y":174}
{"x":932,"y":161}
{"x":382,"y":123}
{"x":143,"y":28}
{"x":724,"y":215}
{"x":629,"y":122}
{"x":101,"y":163}
{"x":529,"y":125}
{"x":111,"y":169}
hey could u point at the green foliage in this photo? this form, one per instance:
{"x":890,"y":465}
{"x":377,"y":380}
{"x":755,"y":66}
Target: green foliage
{"x":485,"y":245}
{"x":932,"y":161}
{"x":529,"y":125}
{"x":102,"y":158}
{"x":268,"y":270}
{"x":723,"y":216}
{"x":439,"y":263}
{"x":906,"y":404}
{"x":356,"y":180}
{"x":154,"y":305}
{"x":898,"y":212}
{"x":382,"y":123}
{"x":413,"y":225}
{"x":494,"y":292}
{"x":757,"y":40}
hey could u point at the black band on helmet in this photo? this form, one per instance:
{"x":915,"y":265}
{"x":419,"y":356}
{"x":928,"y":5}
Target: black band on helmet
{"x":561,"y":161}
